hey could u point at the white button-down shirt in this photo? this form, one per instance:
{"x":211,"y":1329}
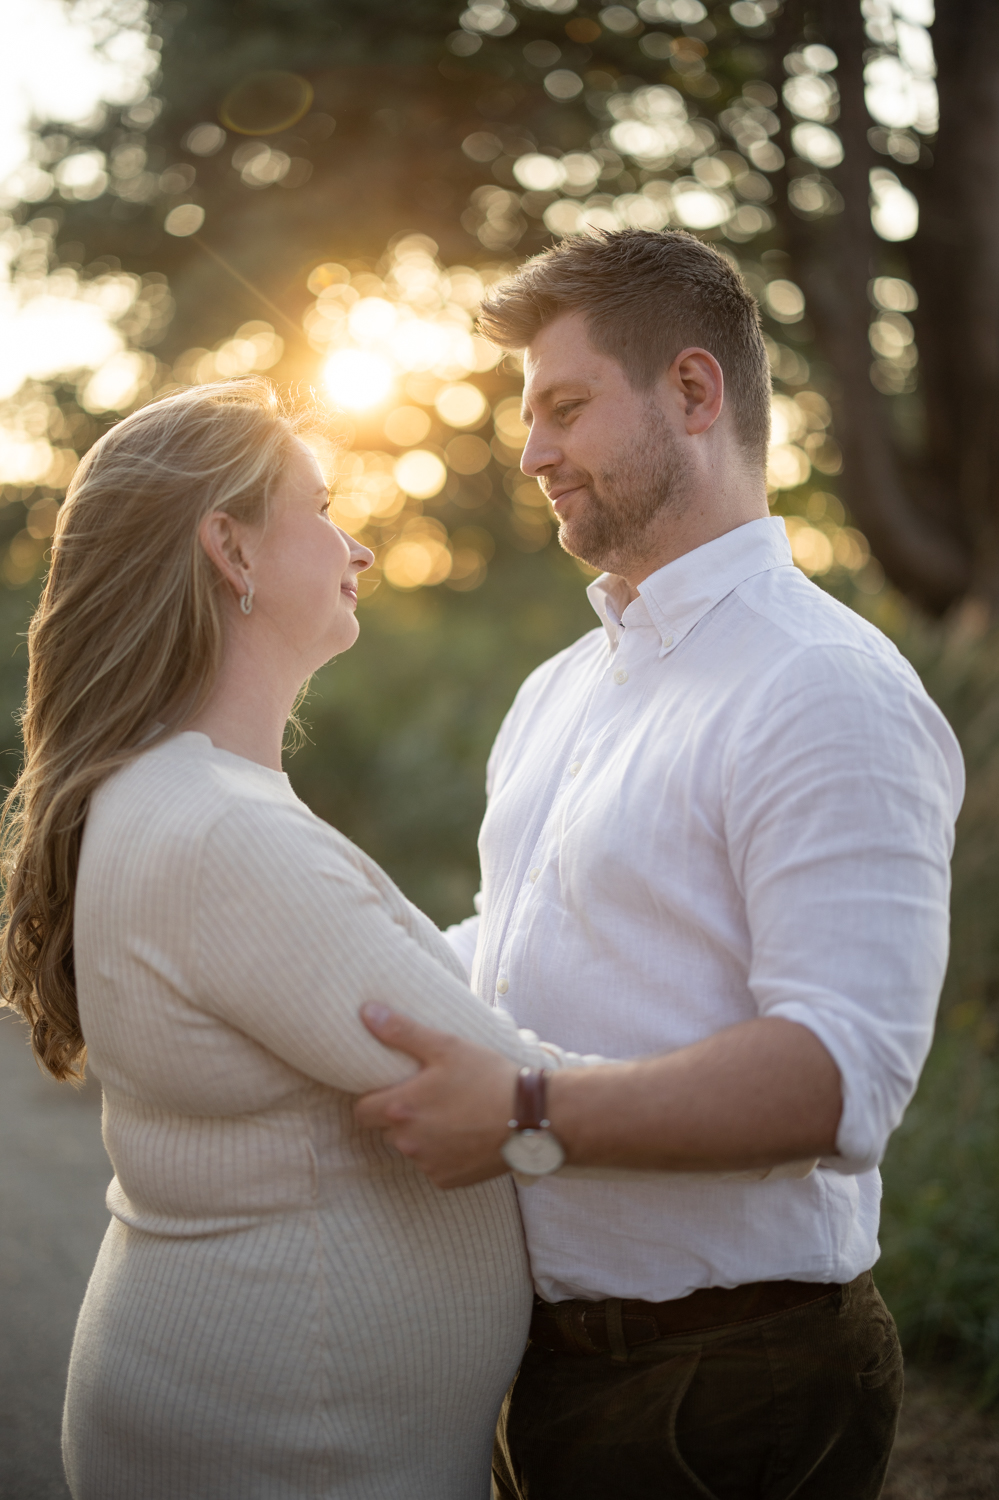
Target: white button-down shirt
{"x":733,"y":799}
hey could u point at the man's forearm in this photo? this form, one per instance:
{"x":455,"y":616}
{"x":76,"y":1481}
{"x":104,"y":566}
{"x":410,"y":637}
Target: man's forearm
{"x":757,"y":1094}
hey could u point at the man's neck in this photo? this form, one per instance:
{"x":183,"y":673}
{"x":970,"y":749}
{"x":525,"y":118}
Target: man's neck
{"x":698,"y":525}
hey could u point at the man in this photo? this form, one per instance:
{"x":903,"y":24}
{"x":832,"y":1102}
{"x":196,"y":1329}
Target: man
{"x":717,"y":841}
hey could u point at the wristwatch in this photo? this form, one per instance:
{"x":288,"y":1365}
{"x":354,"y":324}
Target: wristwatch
{"x":532,"y":1150}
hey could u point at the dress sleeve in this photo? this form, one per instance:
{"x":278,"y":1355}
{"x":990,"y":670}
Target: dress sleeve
{"x":843,"y":785}
{"x":293,"y":940}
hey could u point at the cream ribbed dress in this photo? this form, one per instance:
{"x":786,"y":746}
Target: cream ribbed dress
{"x":283,"y":1307}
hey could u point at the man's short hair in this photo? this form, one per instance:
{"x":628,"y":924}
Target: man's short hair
{"x":645,"y":296}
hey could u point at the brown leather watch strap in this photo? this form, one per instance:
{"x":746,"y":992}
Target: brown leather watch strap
{"x":529,"y":1100}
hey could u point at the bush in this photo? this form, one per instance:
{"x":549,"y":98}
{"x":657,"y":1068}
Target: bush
{"x":939,"y":1270}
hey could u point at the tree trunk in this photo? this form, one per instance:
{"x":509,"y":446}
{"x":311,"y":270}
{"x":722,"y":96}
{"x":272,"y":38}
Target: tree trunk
{"x":931,"y":521}
{"x":955,"y":268}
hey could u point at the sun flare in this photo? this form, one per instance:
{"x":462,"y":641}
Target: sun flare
{"x":358,"y":379}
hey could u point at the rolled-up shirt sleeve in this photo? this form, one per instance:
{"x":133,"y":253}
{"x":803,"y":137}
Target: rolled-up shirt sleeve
{"x":843,"y":783}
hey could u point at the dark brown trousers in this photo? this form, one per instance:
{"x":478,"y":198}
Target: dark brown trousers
{"x":800,"y":1405}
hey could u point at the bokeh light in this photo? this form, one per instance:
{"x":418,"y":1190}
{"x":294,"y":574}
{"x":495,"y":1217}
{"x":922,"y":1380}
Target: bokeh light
{"x":185,"y":219}
{"x":420,"y":557}
{"x":461,"y":405}
{"x":468,"y":454}
{"x":894,"y":210}
{"x":406,"y":426}
{"x":510,"y":429}
{"x":420,"y":473}
{"x":357,"y":378}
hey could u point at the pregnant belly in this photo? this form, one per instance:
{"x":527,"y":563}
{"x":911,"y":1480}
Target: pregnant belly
{"x":356,"y":1351}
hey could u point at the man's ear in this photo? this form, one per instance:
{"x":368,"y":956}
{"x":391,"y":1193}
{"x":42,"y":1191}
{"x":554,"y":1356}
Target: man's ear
{"x":698,"y":384}
{"x":219,"y":536}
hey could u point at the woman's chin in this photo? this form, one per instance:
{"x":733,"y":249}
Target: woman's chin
{"x":347,"y":632}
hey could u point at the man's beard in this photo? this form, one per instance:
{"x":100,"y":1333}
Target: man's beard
{"x":617,"y":528}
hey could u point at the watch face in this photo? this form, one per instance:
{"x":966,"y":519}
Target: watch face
{"x":533,"y":1152}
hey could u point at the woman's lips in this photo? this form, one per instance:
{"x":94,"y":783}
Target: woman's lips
{"x":350,"y":591}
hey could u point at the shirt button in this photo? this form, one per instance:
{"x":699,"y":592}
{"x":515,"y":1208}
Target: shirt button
{"x":668,"y":641}
{"x":533,"y":876}
{"x":620,"y":676}
{"x":575,"y":768}
{"x":502,"y":985}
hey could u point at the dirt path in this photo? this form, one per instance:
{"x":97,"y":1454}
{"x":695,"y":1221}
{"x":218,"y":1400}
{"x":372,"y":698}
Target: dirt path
{"x":945,"y":1449}
{"x":53,"y":1177}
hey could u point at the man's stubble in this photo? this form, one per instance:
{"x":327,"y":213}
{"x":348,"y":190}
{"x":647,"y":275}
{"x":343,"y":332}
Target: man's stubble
{"x":646,"y":485}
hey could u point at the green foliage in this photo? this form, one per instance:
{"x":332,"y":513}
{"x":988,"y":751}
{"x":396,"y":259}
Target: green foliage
{"x":939,"y":1269}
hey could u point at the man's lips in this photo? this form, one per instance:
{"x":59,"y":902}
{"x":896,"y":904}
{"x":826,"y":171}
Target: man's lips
{"x":559,"y":498}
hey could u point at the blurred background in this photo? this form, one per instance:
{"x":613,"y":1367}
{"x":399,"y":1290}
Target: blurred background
{"x":322,"y":189}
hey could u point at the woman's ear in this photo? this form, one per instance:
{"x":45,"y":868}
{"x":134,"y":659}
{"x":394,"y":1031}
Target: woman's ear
{"x":219,"y":536}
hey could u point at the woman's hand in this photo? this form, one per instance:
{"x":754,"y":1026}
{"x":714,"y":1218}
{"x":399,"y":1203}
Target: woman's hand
{"x":451,"y":1118}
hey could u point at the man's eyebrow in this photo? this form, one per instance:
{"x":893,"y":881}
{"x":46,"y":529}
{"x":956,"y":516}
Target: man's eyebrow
{"x":546,"y":395}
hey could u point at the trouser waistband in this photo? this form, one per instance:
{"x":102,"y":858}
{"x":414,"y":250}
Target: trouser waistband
{"x":579,"y":1327}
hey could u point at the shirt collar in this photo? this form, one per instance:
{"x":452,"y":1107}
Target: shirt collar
{"x":682,"y":592}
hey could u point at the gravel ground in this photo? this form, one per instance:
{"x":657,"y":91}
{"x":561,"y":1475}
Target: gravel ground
{"x":53,"y":1177}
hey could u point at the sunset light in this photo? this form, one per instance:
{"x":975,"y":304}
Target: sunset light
{"x":357,"y":379}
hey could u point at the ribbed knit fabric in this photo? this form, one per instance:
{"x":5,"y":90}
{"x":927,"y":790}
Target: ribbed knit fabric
{"x":283,"y":1308}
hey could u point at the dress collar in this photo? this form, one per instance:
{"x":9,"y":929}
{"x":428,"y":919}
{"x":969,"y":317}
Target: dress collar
{"x":681,"y":593}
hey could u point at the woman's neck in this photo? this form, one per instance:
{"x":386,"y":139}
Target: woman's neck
{"x":247,"y":711}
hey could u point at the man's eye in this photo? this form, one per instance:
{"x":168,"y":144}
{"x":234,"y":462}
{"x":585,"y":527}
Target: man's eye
{"x":566,"y":408}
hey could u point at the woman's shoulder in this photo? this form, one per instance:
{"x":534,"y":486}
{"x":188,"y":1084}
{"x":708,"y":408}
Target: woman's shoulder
{"x":173,"y":800}
{"x":186,"y":776}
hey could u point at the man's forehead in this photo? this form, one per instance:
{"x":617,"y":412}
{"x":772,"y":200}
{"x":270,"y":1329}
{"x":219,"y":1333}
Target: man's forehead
{"x":562,"y":356}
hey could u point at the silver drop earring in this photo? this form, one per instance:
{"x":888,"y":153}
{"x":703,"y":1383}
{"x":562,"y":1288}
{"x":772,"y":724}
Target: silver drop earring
{"x":246,"y":600}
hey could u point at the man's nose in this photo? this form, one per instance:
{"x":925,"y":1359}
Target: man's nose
{"x":541,"y":452}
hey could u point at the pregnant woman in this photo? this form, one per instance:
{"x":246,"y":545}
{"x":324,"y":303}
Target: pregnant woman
{"x":283,"y":1307}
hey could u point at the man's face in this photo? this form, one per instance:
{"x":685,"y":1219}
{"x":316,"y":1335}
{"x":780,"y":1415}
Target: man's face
{"x":611,"y":459}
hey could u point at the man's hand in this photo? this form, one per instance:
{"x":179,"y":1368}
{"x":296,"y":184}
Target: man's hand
{"x":453,"y":1116}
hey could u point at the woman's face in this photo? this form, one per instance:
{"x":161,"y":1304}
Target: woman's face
{"x":304,"y":570}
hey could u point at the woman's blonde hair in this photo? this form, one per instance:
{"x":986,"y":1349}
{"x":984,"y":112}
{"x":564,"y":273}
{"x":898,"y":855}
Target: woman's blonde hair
{"x":123,"y":649}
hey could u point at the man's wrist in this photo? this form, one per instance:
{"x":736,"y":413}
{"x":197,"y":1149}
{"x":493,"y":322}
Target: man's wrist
{"x":532,"y":1149}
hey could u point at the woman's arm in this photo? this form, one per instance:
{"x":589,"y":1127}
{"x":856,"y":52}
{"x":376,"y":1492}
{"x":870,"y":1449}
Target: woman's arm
{"x":294,"y":939}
